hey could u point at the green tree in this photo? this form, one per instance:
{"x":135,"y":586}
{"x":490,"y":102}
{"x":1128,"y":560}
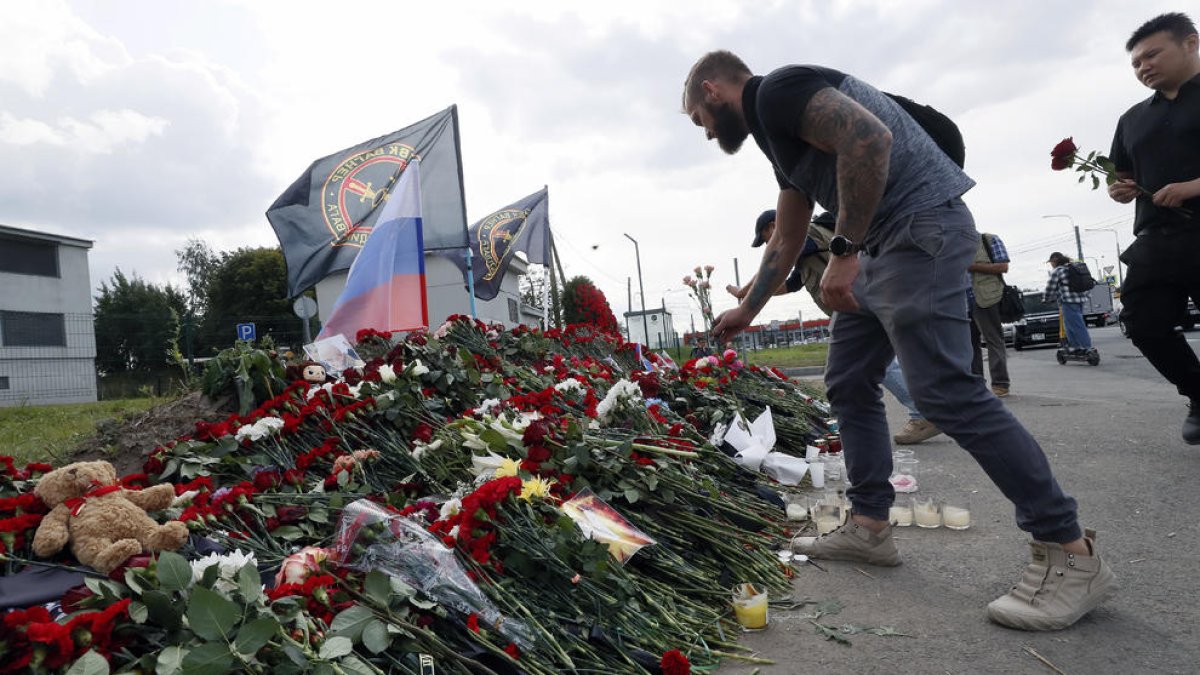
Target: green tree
{"x":198,"y":263}
{"x":137,"y":325}
{"x":249,"y":286}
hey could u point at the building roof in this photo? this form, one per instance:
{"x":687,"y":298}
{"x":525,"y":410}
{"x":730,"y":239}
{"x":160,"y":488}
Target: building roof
{"x":19,"y":233}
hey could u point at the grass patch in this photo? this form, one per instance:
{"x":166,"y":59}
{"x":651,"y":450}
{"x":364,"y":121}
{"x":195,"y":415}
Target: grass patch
{"x":46,"y":433}
{"x":796,"y":356}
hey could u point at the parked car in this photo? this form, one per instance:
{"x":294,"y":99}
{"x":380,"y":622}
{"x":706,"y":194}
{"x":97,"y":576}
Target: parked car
{"x":1189,"y":321}
{"x":1098,"y":309}
{"x":1039,"y":326}
{"x":1010,"y":333}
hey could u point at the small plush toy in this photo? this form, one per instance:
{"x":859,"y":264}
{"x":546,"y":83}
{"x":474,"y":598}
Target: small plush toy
{"x":104,"y":523}
{"x":309,"y":371}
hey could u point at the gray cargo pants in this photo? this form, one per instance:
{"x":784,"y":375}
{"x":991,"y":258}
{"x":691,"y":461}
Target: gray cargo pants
{"x":911,"y":291}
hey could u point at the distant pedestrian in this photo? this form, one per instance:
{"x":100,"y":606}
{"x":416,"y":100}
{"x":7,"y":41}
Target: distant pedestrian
{"x":1156,"y":151}
{"x":984,"y":293}
{"x":1070,"y":302}
{"x":701,"y":349}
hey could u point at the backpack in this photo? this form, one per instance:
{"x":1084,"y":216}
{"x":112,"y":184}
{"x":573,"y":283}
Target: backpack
{"x":940,"y":128}
{"x":813,"y":266}
{"x":1079,"y":278}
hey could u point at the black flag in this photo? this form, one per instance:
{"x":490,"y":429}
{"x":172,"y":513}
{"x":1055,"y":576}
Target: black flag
{"x":521,"y":226}
{"x":324,"y":218}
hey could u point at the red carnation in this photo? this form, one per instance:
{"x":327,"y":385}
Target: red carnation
{"x":1063,"y":154}
{"x":675,"y":663}
{"x":473,"y":622}
{"x":512,"y":650}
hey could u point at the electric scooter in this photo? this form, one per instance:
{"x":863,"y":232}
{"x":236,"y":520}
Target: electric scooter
{"x":1065,"y":353}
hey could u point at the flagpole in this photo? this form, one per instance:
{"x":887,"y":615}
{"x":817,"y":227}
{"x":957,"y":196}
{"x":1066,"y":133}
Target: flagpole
{"x":470,"y":282}
{"x":463,"y":198}
{"x":554,"y":281}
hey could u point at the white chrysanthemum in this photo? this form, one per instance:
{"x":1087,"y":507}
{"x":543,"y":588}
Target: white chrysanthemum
{"x":569,"y":384}
{"x":260,"y":429}
{"x":419,"y":448}
{"x":486,"y":407}
{"x":230,"y":563}
{"x":313,"y":391}
{"x":623,"y":391}
{"x":387,"y":374}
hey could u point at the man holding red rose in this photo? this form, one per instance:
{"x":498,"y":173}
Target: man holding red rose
{"x":897,"y":282}
{"x":1157,"y":147}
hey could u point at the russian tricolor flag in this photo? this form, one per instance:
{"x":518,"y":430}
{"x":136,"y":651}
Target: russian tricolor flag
{"x":385,"y":289}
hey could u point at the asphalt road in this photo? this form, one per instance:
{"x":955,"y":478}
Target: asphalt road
{"x":1112,"y":435}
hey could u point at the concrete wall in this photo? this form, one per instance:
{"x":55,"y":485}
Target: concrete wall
{"x":51,"y":374}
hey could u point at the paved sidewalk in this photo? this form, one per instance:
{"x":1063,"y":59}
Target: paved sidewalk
{"x":1112,"y":435}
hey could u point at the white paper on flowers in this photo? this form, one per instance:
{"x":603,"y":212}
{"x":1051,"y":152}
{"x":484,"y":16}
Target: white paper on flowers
{"x":601,"y":522}
{"x":754,"y":441}
{"x":410,"y":553}
{"x":334,"y":353}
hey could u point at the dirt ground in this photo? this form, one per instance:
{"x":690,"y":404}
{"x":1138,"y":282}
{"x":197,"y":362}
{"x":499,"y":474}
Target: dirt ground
{"x":127,"y":443}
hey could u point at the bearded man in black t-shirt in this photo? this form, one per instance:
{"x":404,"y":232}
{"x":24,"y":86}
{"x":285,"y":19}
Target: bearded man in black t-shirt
{"x":897,"y":282}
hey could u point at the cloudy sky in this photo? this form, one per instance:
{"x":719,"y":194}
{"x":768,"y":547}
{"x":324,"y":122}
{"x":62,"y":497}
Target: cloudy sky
{"x":138,"y":124}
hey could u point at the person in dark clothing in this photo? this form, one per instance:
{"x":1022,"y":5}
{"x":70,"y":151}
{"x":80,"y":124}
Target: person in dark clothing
{"x":897,"y":283}
{"x":1156,"y":151}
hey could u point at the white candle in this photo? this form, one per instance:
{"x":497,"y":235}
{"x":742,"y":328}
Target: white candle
{"x":817,"y":473}
{"x":900,"y":516}
{"x":827,"y":524}
{"x":811,"y":453}
{"x":796,"y":511}
{"x":925,"y":514}
{"x":956,"y":518}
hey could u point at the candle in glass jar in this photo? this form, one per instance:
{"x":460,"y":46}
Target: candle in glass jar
{"x":925,"y":514}
{"x":796,"y":511}
{"x":900,"y":516}
{"x":750,"y":607}
{"x":827,"y":524}
{"x":956,"y":518}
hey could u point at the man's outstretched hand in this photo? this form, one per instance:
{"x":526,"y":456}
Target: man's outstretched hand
{"x":730,"y":323}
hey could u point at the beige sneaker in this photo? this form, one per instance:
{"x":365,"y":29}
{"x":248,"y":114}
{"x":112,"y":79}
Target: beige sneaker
{"x":915,"y":431}
{"x":1000,"y":392}
{"x":1056,"y":589}
{"x":852,"y":542}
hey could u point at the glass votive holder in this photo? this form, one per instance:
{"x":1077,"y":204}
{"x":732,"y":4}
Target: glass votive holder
{"x":903,"y":453}
{"x":904,"y":475}
{"x":834,"y":469}
{"x":816,"y":473}
{"x":750,"y":606}
{"x":956,"y":512}
{"x":926,"y":511}
{"x":901,"y":515}
{"x":827,"y":515}
{"x":797,"y":508}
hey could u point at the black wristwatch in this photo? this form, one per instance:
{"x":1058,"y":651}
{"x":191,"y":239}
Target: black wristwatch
{"x":841,"y":246}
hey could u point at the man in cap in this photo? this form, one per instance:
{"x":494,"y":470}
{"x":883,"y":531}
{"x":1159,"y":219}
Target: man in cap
{"x":897,"y":282}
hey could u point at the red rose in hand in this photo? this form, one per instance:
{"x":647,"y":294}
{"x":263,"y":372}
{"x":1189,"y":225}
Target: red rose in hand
{"x":1063,"y":154}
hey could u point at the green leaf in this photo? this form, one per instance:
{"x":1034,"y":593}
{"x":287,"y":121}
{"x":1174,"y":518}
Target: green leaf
{"x":632,"y":495}
{"x":375,"y":637}
{"x":290,"y":532}
{"x":170,"y":660}
{"x":209,"y":576}
{"x":249,"y":583}
{"x":210,"y":658}
{"x":378,"y":587}
{"x":162,"y":610}
{"x":138,"y":612}
{"x":355,"y":665}
{"x":351,"y":621}
{"x":255,"y":635}
{"x":1095,"y":181}
{"x":336,"y":647}
{"x":90,"y":663}
{"x":174,"y":572}
{"x":210,"y":615}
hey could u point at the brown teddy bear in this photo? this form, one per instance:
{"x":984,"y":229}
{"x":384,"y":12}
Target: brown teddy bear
{"x":105,"y":523}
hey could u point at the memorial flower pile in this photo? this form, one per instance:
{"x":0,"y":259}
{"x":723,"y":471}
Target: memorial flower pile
{"x":483,"y":500}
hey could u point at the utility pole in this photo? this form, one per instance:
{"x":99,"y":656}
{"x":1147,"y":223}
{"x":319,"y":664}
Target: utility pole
{"x":1078,"y":241}
{"x":637,"y":251}
{"x":737,"y":279}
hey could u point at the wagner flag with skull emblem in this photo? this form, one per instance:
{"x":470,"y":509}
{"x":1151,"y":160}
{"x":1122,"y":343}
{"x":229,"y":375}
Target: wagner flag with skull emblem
{"x":325,"y":217}
{"x":522,"y":226}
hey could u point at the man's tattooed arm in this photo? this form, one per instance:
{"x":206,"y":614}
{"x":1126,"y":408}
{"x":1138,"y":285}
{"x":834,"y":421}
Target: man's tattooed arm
{"x":837,"y":124}
{"x":792,"y":213}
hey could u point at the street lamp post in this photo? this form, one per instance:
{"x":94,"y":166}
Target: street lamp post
{"x":1117,"y":241}
{"x":637,"y":251}
{"x":1078,"y":241}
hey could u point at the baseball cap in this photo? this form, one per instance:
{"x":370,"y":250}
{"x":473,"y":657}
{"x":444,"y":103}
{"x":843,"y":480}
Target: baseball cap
{"x":765,"y":218}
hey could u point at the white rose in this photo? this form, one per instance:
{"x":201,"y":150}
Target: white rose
{"x":387,"y":373}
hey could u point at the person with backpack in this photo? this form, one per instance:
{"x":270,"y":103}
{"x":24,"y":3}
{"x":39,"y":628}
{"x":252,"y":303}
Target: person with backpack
{"x":810,"y":265}
{"x":983,"y":307}
{"x":897,"y":282}
{"x":1069,"y":283}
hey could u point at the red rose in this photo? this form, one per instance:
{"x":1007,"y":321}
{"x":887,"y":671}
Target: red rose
{"x":1063,"y":154}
